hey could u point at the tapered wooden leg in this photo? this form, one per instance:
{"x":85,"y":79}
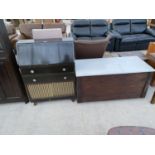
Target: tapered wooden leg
{"x":35,"y":103}
{"x":153,"y":99}
{"x":73,"y":99}
{"x":26,"y":101}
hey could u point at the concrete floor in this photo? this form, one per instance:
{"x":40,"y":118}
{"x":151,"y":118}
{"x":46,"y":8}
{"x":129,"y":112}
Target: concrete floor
{"x":66,"y":117}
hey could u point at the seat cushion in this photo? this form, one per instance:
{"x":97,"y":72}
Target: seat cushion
{"x":98,"y":31}
{"x":83,"y":38}
{"x":81,"y":31}
{"x":137,"y":38}
{"x":98,"y":38}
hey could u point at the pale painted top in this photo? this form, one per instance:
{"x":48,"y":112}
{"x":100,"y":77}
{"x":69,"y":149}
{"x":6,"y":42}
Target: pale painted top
{"x":111,"y":66}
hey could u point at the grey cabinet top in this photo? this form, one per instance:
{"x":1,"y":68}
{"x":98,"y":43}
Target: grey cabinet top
{"x":31,"y":53}
{"x":111,"y":66}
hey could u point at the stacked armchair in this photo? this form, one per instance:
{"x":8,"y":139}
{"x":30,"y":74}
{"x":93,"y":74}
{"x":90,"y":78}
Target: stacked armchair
{"x":91,"y":38}
{"x":25,"y":30}
{"x":92,"y":30}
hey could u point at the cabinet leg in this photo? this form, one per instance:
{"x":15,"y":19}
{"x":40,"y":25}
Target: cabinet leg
{"x":35,"y":103}
{"x":153,"y":99}
{"x":26,"y":101}
{"x":73,"y":99}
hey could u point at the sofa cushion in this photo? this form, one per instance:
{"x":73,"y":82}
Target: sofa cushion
{"x":81,"y":31}
{"x":138,"y":25}
{"x":98,"y":22}
{"x":98,"y":38}
{"x":137,"y":38}
{"x":81,"y":23}
{"x":83,"y":38}
{"x":121,"y":25}
{"x":98,"y":27}
{"x":81,"y":28}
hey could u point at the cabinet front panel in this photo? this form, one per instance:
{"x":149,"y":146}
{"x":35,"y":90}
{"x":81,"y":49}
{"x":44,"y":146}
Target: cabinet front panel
{"x":99,"y":88}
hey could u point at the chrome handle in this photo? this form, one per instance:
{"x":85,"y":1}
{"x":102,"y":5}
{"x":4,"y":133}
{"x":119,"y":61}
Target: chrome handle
{"x":65,"y":77}
{"x":63,"y":69}
{"x":34,"y":80}
{"x":31,"y":71}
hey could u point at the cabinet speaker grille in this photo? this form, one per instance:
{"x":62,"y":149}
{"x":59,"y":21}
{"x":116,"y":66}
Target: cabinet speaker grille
{"x":51,"y":90}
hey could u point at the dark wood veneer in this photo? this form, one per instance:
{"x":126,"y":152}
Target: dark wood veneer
{"x":98,"y":88}
{"x":11,"y":86}
{"x":49,"y":74}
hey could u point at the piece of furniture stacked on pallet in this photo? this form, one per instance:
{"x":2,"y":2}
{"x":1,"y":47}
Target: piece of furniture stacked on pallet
{"x":11,"y":86}
{"x":131,"y":34}
{"x":47,"y":68}
{"x":95,"y":30}
{"x":112,"y":78}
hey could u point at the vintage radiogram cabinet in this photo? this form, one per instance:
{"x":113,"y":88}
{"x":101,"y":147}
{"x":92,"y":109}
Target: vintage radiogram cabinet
{"x":47,"y":69}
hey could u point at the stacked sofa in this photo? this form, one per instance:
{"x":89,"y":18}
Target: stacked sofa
{"x":127,"y":34}
{"x":132,"y":34}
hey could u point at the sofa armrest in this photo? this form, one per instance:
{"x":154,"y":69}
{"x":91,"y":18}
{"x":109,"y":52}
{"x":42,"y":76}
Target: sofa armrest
{"x":150,"y":31}
{"x":115,"y":34}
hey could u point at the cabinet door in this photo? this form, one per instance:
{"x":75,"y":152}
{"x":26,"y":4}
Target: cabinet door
{"x":2,"y":93}
{"x":5,"y":83}
{"x":11,"y":86}
{"x":8,"y":83}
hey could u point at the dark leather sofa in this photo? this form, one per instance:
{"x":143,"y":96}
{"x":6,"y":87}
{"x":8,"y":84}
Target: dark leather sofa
{"x":95,"y":29}
{"x":131,"y":34}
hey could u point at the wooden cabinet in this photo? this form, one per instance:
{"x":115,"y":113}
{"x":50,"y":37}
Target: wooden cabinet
{"x":11,"y":86}
{"x":47,"y":69}
{"x":112,"y":78}
{"x":47,"y":82}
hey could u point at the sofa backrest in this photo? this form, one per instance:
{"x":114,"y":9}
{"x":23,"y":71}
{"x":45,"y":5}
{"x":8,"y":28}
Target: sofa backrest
{"x":99,"y":27}
{"x":138,"y":25}
{"x":81,"y":28}
{"x":85,"y":49}
{"x":26,"y":29}
{"x":62,"y":26}
{"x":121,"y":25}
